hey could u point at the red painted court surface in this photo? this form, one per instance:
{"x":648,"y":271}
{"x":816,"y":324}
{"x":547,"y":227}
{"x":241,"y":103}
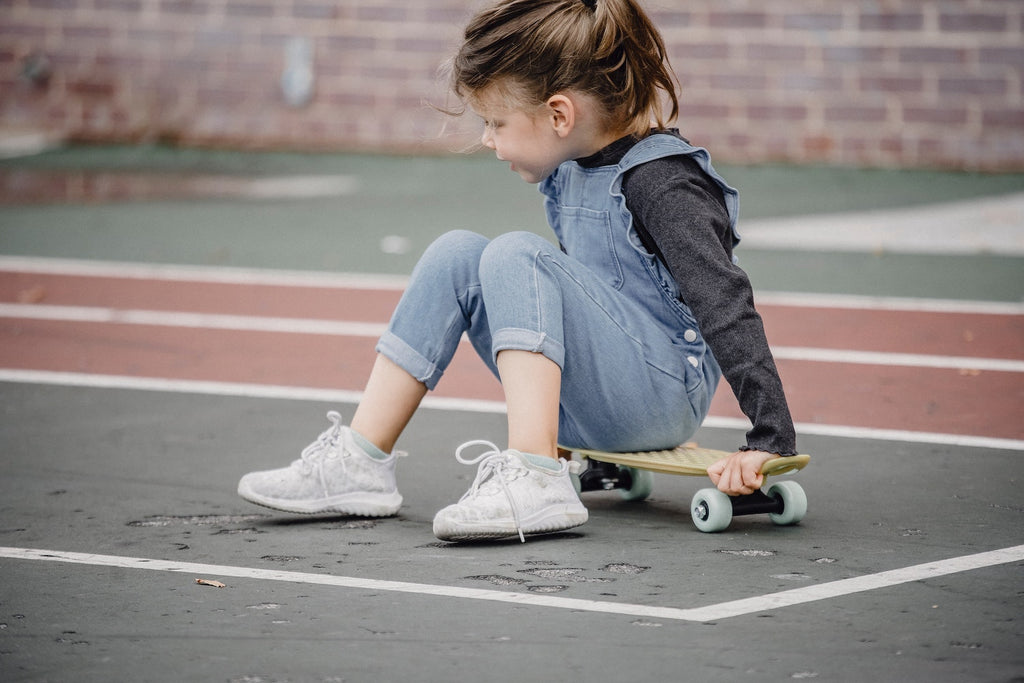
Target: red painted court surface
{"x":877,"y":364}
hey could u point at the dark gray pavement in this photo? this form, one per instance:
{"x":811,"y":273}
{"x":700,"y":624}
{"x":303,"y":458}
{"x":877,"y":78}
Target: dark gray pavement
{"x":151,"y":474}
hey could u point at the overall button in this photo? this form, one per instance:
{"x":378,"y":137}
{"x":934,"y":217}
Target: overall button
{"x":693,"y":361}
{"x":690,"y":336}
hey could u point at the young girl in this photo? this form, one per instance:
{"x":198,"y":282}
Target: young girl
{"x":615,"y":341}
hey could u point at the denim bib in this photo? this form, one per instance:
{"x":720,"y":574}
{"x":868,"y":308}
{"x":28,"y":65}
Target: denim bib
{"x":587,"y":211}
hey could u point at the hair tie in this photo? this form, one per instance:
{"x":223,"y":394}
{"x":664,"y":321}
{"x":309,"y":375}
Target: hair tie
{"x":591,"y":4}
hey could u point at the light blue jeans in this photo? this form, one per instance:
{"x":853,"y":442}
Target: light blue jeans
{"x":626,"y":382}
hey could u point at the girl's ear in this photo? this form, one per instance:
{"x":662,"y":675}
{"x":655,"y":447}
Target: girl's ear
{"x":562,"y":114}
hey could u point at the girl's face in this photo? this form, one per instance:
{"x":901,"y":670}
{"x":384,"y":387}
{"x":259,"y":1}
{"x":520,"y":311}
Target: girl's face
{"x":523,"y":137}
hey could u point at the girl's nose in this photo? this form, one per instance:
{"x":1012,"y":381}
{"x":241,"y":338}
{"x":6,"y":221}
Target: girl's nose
{"x":487,"y":139}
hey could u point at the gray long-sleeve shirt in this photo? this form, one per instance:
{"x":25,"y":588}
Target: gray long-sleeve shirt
{"x":679,"y":214}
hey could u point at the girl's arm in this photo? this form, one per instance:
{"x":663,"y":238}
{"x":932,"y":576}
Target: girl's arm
{"x":679,"y":211}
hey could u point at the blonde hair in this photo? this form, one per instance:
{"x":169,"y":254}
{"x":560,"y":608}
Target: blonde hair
{"x":533,"y":49}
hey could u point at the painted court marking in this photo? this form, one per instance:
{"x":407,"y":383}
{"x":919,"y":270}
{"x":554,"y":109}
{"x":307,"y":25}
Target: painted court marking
{"x":324,"y":279}
{"x":724,"y":610}
{"x":294,"y":393}
{"x":213,"y":274}
{"x":374,"y":330}
{"x":347,"y":328}
{"x":211,"y":321}
{"x":910,"y":360}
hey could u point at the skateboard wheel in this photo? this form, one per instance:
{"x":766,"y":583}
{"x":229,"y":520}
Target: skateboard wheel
{"x":794,"y":502}
{"x":643,"y":482}
{"x":711,"y":510}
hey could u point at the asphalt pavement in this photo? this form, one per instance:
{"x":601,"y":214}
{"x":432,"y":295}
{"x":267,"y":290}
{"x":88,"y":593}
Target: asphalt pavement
{"x":115,"y":500}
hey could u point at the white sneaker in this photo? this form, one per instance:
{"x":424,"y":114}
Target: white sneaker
{"x":333,"y":475}
{"x":511,"y":496}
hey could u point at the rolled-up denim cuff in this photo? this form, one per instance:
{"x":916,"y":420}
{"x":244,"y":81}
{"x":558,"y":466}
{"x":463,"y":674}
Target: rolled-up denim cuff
{"x":409,"y":359}
{"x":515,"y":339}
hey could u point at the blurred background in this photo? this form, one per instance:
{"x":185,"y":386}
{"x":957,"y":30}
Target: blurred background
{"x":882,"y":83}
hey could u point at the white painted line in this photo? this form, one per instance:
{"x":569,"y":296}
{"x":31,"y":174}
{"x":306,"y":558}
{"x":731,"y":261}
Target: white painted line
{"x":873,"y":434}
{"x":281,"y":187}
{"x":217,"y":321}
{"x":238,"y":389}
{"x":724,"y":610}
{"x":292,"y":393}
{"x":187,"y":273}
{"x":27,"y":143}
{"x":859,"y":584}
{"x":297,"y":278}
{"x":907,"y":436}
{"x":886,"y":303}
{"x":987,"y":225}
{"x":223,"y":571}
{"x":100,"y":314}
{"x":912,"y":360}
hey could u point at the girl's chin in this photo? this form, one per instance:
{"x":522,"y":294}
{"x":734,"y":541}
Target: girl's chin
{"x":528,"y":176}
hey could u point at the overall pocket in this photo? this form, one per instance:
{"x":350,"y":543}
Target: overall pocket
{"x":587,"y":237}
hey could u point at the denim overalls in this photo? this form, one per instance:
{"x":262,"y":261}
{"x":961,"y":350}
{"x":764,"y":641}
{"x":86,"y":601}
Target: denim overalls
{"x":636,"y":373}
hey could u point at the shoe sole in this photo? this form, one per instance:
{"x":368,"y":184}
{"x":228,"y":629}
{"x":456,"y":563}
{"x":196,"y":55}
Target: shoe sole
{"x":359,"y":505}
{"x":549,"y":521}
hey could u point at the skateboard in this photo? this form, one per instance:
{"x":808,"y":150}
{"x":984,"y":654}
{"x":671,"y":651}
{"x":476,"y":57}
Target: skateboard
{"x":784,"y":501}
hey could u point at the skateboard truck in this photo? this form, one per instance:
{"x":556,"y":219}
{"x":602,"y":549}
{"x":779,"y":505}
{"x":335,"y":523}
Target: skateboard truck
{"x":632,"y":483}
{"x":605,"y":476}
{"x":756,"y":503}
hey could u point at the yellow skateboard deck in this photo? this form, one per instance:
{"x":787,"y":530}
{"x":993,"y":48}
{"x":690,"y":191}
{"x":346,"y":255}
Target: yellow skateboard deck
{"x":689,"y":460}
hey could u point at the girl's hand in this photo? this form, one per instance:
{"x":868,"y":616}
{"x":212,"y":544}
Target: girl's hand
{"x":739,"y":473}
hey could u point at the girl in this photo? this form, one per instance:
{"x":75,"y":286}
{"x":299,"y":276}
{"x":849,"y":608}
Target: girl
{"x":615,"y":341}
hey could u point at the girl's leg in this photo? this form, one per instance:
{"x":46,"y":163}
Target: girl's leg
{"x":443,"y":301}
{"x":579,"y":361}
{"x":440,"y":304}
{"x":391,"y":397}
{"x":339,"y":471}
{"x":625,"y":384}
{"x":532,"y":384}
{"x":524,"y":489}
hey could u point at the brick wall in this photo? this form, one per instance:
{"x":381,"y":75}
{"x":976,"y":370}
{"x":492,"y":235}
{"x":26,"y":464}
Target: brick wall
{"x":906,"y":83}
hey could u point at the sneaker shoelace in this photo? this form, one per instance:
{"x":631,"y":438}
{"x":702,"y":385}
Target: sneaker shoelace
{"x":496,"y":466}
{"x":325,"y":446}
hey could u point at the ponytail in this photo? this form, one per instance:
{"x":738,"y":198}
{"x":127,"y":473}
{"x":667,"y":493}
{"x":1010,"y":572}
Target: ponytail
{"x":607,"y":49}
{"x":630,"y":56}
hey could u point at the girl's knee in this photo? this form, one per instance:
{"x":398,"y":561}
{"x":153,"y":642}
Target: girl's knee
{"x":519,"y":240}
{"x":457,"y":242}
{"x":511,"y":248}
{"x":457,"y":247}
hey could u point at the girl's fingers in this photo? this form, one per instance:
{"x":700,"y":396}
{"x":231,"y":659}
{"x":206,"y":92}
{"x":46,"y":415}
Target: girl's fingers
{"x":715,"y":472}
{"x":738,"y":474}
{"x":732,"y":480}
